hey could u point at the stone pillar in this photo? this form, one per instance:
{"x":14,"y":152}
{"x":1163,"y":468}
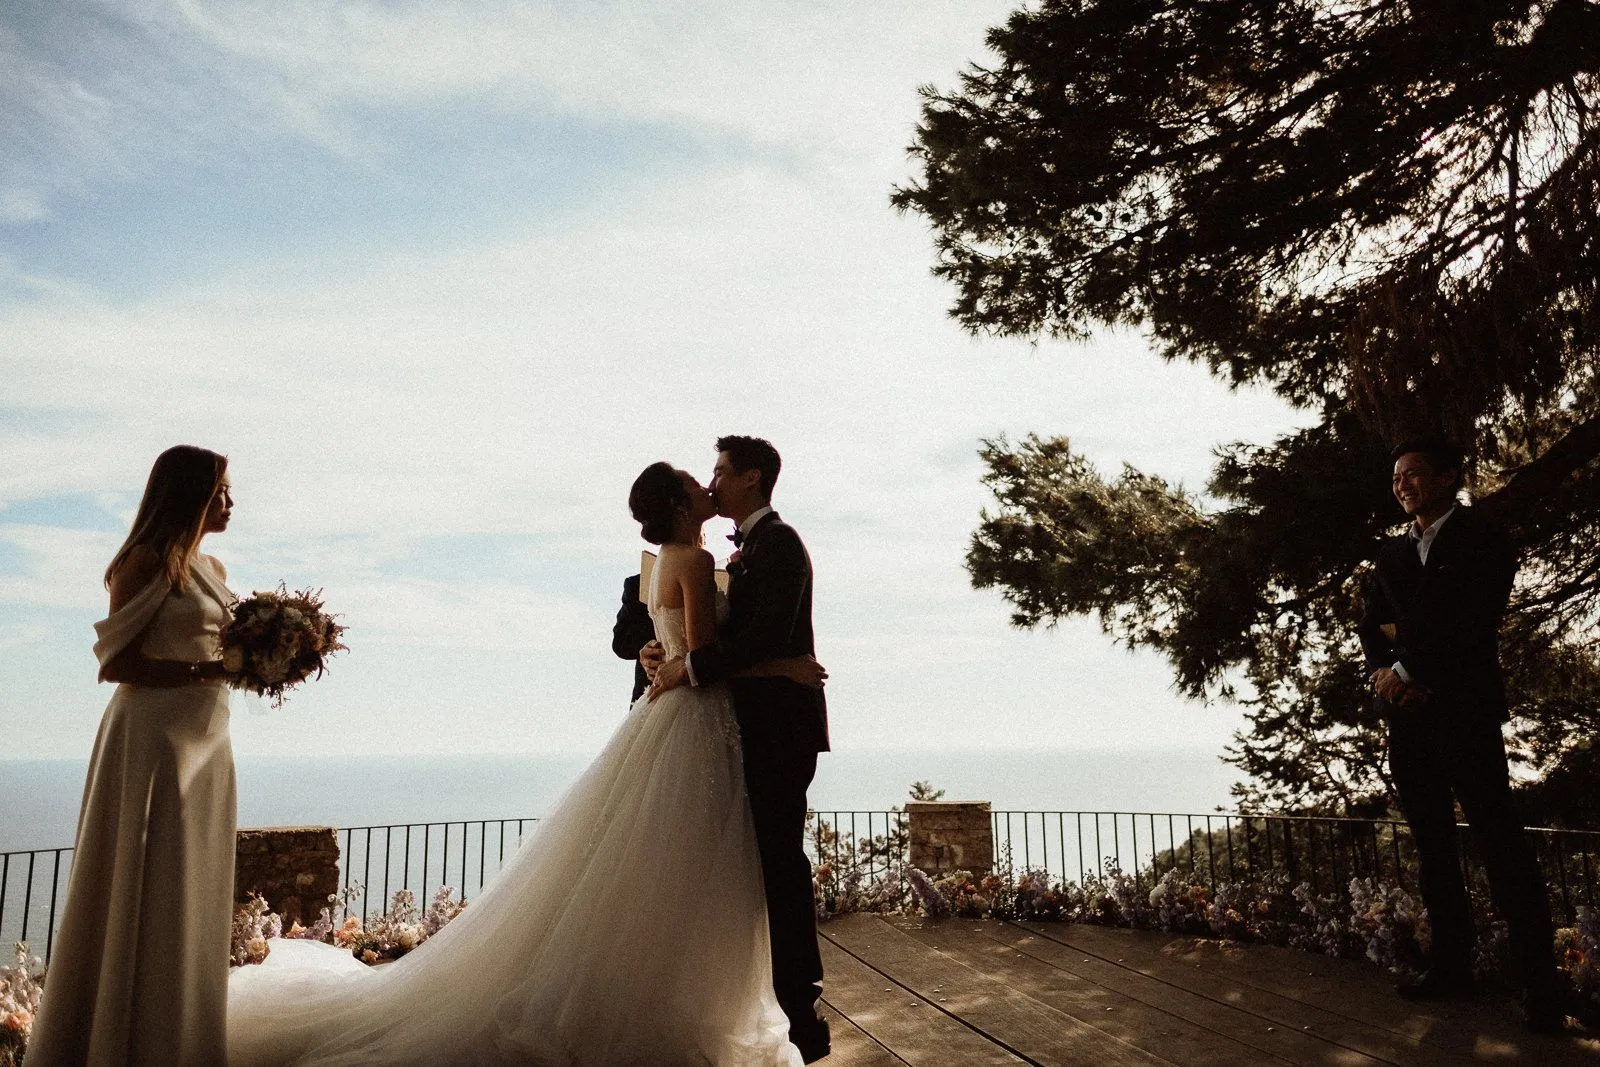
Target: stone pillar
{"x":949,"y":835}
{"x":296,"y":868}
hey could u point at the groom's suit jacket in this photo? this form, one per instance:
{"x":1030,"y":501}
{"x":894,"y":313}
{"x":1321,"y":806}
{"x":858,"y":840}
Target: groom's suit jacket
{"x":1444,"y":614}
{"x":769,"y":617}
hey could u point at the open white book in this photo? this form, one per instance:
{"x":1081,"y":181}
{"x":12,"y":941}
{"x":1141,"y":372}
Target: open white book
{"x":647,"y":563}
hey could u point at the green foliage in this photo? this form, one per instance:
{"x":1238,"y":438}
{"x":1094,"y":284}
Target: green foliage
{"x":1386,"y":212}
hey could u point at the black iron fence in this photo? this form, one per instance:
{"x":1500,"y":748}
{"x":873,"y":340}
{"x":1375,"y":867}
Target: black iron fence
{"x":875,"y":841}
{"x":1322,"y":852}
{"x":32,"y":886}
{"x":1208,"y":849}
{"x":377,"y":861}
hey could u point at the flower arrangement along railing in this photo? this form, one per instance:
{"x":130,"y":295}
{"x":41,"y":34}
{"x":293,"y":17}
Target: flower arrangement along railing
{"x":1324,"y":853}
{"x":1341,"y":887}
{"x":871,"y":850}
{"x":867,"y":847}
{"x":418,"y":857}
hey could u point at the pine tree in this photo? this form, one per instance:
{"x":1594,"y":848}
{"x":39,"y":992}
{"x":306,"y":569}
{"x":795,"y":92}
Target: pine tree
{"x":1385,"y":211}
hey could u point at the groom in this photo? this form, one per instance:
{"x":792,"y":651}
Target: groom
{"x":782,"y":724}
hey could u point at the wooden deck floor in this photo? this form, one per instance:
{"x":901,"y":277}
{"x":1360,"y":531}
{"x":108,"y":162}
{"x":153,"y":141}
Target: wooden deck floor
{"x":958,"y":993}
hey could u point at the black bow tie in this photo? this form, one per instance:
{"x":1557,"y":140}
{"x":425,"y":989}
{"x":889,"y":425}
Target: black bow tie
{"x":737,"y":537}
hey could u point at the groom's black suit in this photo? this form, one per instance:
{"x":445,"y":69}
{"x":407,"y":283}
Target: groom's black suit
{"x":1445,"y":621}
{"x":782,"y":726}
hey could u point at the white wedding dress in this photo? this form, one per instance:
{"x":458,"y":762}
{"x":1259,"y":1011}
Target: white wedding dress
{"x":629,"y":929}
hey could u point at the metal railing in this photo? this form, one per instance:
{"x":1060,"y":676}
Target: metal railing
{"x":1070,"y":845}
{"x":32,"y":885}
{"x":1325,"y":852}
{"x":422,"y":857}
{"x":1322,"y":852}
{"x":877,"y":841}
{"x":415,"y":856}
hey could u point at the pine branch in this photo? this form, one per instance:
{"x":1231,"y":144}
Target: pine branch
{"x":1538,"y":478}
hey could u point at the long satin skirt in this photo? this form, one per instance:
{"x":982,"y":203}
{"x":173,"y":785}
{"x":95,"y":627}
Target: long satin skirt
{"x":139,"y":974}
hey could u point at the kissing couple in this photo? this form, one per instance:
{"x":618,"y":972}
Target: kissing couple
{"x":662,"y":914}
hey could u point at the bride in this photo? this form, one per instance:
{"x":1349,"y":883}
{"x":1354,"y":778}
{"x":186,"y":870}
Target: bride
{"x":630,"y":928}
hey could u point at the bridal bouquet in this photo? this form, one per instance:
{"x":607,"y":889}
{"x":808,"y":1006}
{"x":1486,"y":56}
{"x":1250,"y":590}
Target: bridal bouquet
{"x":277,"y":640}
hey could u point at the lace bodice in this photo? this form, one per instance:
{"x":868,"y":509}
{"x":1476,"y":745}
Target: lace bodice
{"x":669,"y":622}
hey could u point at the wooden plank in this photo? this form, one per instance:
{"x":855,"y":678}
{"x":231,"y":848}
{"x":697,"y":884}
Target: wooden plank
{"x":1254,"y":1038}
{"x":1349,"y":988}
{"x":853,"y":1046}
{"x":917,"y":1031}
{"x":1144,"y":1022}
{"x":1336,"y":998}
{"x":1033,"y":1029}
{"x":1314,"y":1013}
{"x":1465,"y":1028}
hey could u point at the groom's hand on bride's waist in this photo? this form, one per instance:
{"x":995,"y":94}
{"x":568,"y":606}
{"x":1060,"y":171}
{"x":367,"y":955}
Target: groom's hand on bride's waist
{"x":651,"y":656}
{"x":668,"y":675}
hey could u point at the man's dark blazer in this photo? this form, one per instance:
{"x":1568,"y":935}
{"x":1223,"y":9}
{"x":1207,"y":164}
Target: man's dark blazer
{"x":769,"y":617}
{"x":1445,"y":614}
{"x":632,"y":631}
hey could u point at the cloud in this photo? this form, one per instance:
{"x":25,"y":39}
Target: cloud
{"x":120,"y":94}
{"x":438,"y":421}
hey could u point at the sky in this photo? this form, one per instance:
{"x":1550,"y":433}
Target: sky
{"x":441,"y":280}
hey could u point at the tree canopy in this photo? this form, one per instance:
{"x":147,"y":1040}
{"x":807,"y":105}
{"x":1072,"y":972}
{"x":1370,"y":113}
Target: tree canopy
{"x":1385,"y":211}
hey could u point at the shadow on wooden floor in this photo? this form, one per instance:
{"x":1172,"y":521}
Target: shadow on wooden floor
{"x":960,"y":992}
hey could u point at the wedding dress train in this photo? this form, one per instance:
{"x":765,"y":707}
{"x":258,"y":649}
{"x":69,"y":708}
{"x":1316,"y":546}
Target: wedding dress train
{"x":629,"y":928}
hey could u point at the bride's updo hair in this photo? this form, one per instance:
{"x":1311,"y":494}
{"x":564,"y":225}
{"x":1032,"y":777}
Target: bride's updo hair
{"x":655,"y":498}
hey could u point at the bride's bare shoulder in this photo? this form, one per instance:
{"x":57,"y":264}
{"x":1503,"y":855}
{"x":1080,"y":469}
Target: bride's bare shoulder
{"x":684,"y":560}
{"x":132,"y":573}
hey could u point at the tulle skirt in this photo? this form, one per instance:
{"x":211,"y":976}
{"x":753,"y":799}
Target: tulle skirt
{"x":629,"y":928}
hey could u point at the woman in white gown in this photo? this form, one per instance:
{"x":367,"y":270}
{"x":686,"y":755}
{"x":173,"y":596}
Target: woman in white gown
{"x":140,"y":968}
{"x":629,"y":929}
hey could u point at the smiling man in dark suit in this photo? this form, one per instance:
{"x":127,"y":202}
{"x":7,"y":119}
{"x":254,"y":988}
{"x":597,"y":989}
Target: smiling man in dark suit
{"x":1431,"y":637}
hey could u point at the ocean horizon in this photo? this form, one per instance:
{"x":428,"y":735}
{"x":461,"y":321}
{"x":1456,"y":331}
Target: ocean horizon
{"x":39,"y":798}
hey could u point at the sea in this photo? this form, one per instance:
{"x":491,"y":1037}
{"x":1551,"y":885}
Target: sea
{"x":39,"y":799}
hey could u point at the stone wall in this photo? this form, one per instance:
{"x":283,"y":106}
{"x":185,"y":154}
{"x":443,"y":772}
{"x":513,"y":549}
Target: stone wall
{"x":948,"y":835}
{"x":296,"y":868}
